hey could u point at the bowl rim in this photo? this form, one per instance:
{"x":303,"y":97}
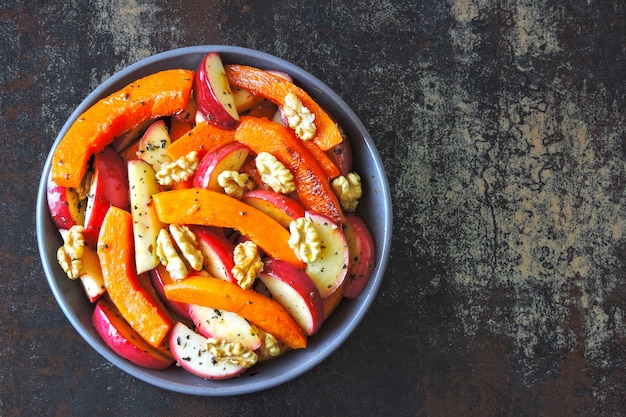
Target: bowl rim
{"x":303,"y":361}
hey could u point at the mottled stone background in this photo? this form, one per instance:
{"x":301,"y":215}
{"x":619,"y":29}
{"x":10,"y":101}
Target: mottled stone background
{"x":502,"y":128}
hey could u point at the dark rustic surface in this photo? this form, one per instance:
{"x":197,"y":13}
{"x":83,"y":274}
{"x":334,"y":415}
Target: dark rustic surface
{"x":501,"y":125}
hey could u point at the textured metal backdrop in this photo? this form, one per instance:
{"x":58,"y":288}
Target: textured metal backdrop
{"x":502,"y":128}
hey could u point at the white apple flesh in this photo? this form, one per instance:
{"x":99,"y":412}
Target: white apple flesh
{"x":278,"y":206}
{"x":91,"y":275}
{"x":146,"y":225}
{"x":331,"y":268}
{"x":217,"y":252}
{"x":229,"y":157}
{"x":296,"y":292}
{"x":124,"y":341}
{"x":362,"y":254}
{"x":153,"y":145}
{"x":213,"y":95}
{"x":109,"y":186}
{"x":64,"y":205}
{"x":190,"y":351}
{"x":224,"y":325}
{"x":244,"y":100}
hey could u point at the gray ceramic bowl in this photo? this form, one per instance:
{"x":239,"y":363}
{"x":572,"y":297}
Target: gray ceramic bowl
{"x":374,"y":208}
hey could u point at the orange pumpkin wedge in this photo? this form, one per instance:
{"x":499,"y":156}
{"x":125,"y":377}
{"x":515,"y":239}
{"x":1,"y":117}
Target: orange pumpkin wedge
{"x":312,"y":184}
{"x":116,"y":254}
{"x":160,"y":94}
{"x":210,"y":208}
{"x":178,"y":129}
{"x":275,"y":88}
{"x":330,"y":168}
{"x":258,"y":309}
{"x":203,"y":138}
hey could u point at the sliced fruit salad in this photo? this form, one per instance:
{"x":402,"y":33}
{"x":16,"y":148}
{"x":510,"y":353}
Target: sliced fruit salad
{"x":210,"y":216}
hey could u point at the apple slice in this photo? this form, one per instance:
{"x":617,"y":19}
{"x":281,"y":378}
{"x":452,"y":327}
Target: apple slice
{"x":190,"y":351}
{"x":296,"y":292}
{"x":362,"y":254}
{"x":124,"y":341}
{"x":244,"y":100}
{"x":124,"y":140}
{"x":214,"y":97}
{"x":265,"y":108}
{"x":153,"y":145}
{"x":230,"y":157}
{"x":341,"y":155}
{"x":160,"y":277}
{"x":331,"y":268}
{"x":217,"y":252}
{"x":225,"y":325}
{"x":91,"y":275}
{"x":188,"y":115}
{"x":64,"y":205}
{"x":109,"y":187}
{"x":278,"y":206}
{"x":146,"y":225}
{"x":281,"y":74}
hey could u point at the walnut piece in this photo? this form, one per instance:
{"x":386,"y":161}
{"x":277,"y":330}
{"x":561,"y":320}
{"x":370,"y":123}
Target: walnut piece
{"x":235,"y":184}
{"x":83,"y":188}
{"x":231,"y":352}
{"x":177,"y":171}
{"x":270,"y":343}
{"x":248,"y":263}
{"x":187,"y":245}
{"x":169,"y":257}
{"x":299,"y":118}
{"x":349,"y":190}
{"x":274,"y":173}
{"x":69,"y":255}
{"x":304,"y":240}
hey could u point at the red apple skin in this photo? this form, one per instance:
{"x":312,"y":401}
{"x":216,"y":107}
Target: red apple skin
{"x":341,"y":155}
{"x":160,"y":277}
{"x":228,"y":157}
{"x":189,"y":350}
{"x":281,"y":208}
{"x":113,"y":178}
{"x":217,"y":251}
{"x":123,"y":340}
{"x":214,"y":103}
{"x":362,"y":255}
{"x":278,"y":276}
{"x":94,"y":221}
{"x":109,"y":187}
{"x":64,"y":205}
